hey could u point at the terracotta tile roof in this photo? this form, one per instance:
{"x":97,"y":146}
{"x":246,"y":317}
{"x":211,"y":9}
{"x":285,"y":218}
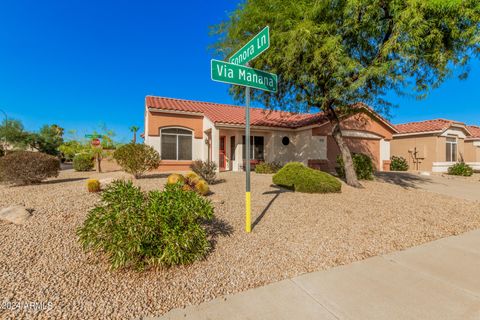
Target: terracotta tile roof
{"x":426,"y":126}
{"x":475,"y":131}
{"x":235,"y":115}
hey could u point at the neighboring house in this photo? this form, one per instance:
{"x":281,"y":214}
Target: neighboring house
{"x":435,"y":145}
{"x":183,"y":130}
{"x":472,"y":147}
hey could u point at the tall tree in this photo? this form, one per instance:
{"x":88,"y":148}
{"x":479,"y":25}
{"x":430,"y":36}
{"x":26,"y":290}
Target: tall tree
{"x":13,"y":133}
{"x":134,"y":129}
{"x":331,"y":54}
{"x":48,"y":139}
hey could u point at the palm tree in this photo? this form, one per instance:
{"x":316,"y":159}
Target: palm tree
{"x":134,"y":129}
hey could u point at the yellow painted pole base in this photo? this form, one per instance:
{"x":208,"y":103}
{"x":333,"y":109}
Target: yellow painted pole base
{"x":248,"y":214}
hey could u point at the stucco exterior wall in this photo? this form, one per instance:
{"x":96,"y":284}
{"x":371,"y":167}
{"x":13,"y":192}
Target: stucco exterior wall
{"x":155,"y":121}
{"x":426,"y":147}
{"x":472,"y":151}
{"x":431,"y":149}
{"x":302,"y":147}
{"x":158,"y":120}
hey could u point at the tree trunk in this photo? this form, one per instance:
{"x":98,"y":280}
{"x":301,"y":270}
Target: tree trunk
{"x":350,"y":175}
{"x":134,"y":137}
{"x":99,"y":162}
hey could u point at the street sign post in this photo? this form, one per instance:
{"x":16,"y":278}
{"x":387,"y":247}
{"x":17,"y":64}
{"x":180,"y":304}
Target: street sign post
{"x":235,"y":74}
{"x":253,"y":48}
{"x":237,"y":71}
{"x":92,"y":136}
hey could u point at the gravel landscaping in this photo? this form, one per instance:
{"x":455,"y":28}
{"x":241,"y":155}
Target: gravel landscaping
{"x":295,"y":233}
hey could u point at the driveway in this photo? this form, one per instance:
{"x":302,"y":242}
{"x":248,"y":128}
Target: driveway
{"x":459,"y":187}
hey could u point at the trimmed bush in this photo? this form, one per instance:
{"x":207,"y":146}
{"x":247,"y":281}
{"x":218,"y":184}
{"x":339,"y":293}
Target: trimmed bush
{"x":267,"y":167}
{"x":93,"y":185}
{"x":398,"y":164}
{"x":28,"y":167}
{"x":83,"y":162}
{"x":205,"y":169}
{"x":361,"y":163}
{"x":460,"y":169}
{"x":140,"y":230}
{"x":136,"y":159}
{"x":298,"y":177}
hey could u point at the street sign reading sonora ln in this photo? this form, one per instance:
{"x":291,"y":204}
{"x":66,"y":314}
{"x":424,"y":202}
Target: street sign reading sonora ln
{"x":253,"y":48}
{"x":235,"y":74}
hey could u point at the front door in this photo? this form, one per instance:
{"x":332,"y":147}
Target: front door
{"x":222,"y":159}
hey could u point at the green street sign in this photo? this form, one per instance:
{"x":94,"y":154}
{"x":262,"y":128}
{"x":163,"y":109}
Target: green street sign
{"x":253,"y":48}
{"x":222,"y":71}
{"x":92,"y":136}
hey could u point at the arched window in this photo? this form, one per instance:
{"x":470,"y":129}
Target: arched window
{"x":176,"y":144}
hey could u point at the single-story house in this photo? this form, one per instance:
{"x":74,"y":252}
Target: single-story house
{"x":472,"y":147}
{"x":183,"y":131}
{"x":435,"y":145}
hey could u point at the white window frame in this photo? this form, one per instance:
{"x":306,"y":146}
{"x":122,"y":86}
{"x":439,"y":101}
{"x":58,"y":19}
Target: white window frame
{"x":176,"y":134}
{"x":451,"y":149}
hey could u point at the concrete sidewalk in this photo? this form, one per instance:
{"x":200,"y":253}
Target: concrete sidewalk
{"x":437,"y":280}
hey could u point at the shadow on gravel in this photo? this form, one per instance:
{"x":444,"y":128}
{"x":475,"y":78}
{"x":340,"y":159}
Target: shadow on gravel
{"x":155,"y":176}
{"x":217,"y":181}
{"x":402,"y":179}
{"x":62,"y":180}
{"x":276,"y":193}
{"x":217,"y":228}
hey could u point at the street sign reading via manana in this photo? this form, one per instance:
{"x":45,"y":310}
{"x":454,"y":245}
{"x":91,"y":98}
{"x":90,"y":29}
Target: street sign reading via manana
{"x":235,"y":74}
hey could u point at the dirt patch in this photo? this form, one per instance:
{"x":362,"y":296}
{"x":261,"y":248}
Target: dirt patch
{"x":293,"y":234}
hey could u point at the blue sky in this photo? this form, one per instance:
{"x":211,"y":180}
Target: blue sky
{"x":82,"y":63}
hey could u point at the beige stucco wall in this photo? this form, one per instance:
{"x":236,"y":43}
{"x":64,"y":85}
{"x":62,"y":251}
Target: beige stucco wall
{"x":472,"y":151}
{"x":302,"y":147}
{"x":432,"y":148}
{"x":425,"y":145}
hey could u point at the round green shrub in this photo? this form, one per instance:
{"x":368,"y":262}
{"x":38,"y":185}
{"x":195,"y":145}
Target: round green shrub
{"x":298,"y":177}
{"x":136,"y":159}
{"x":139,"y":230}
{"x":362,"y":165}
{"x":28,"y":167}
{"x":83,"y":162}
{"x":460,"y":169}
{"x":398,"y":164}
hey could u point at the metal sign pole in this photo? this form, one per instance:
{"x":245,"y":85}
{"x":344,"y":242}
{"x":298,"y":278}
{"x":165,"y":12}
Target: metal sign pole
{"x":248,"y":219}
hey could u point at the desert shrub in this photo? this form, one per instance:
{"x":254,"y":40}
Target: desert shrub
{"x":136,"y":159}
{"x":189,"y":182}
{"x":267,"y":167}
{"x":28,"y":167}
{"x":398,"y":164}
{"x":298,"y":177}
{"x":460,"y":169}
{"x":83,"y":162}
{"x":139,"y":230}
{"x":362,"y":164}
{"x":93,"y":185}
{"x":205,"y":169}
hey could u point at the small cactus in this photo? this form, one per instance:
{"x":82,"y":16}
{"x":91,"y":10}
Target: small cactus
{"x":93,"y":185}
{"x":192,"y":178}
{"x":202,"y":187}
{"x":175,"y":178}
